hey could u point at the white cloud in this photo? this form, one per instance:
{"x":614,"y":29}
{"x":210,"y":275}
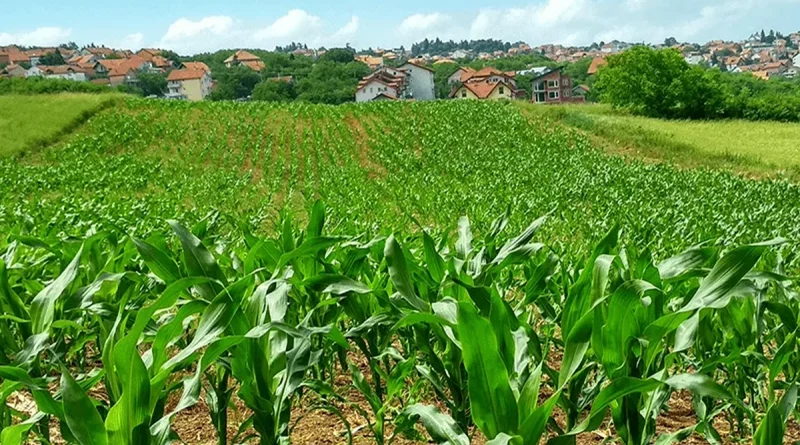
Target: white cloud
{"x":346,"y":32}
{"x":295,"y":23}
{"x":552,"y":20}
{"x":132,"y":41}
{"x":184,"y":28}
{"x":44,"y":36}
{"x":423,"y":23}
{"x":218,"y":32}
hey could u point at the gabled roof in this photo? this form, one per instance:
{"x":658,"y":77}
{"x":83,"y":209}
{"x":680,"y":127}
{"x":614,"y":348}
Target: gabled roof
{"x":161,"y":62}
{"x":417,"y":65}
{"x":242,"y":56}
{"x":185,"y":74}
{"x":196,"y":66}
{"x":482,"y":89}
{"x":255,"y":65}
{"x":548,"y":72}
{"x":597,"y":62}
{"x":134,"y":63}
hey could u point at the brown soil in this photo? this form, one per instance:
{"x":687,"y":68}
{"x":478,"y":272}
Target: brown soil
{"x":363,"y":150}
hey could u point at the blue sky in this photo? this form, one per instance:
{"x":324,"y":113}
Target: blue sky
{"x":207,"y":25}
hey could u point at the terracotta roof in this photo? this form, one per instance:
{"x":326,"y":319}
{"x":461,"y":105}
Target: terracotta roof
{"x":466,"y":73}
{"x":161,"y":62}
{"x":763,"y":75}
{"x":255,"y":65}
{"x":481,"y":89}
{"x":111,"y":63}
{"x":59,"y":69}
{"x":287,"y":79}
{"x":418,"y":65}
{"x":134,"y":63}
{"x":597,"y":62}
{"x":196,"y":66}
{"x":178,"y":75}
{"x":101,"y":81}
{"x":242,"y":56}
{"x":100,"y":51}
{"x":441,"y":61}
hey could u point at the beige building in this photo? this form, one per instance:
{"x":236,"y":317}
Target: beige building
{"x":189,"y":84}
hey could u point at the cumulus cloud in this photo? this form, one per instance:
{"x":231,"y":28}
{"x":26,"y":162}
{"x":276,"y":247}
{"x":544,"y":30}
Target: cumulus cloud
{"x":423,"y":23}
{"x":295,"y":23}
{"x":346,"y":32}
{"x":44,"y":36}
{"x":215,"y":32}
{"x":132,"y":41}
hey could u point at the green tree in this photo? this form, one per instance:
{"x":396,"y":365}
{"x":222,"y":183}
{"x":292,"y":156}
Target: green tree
{"x":172,"y":56}
{"x":235,"y":83}
{"x":338,"y":55}
{"x":152,"y":84}
{"x":658,"y":84}
{"x":52,"y":59}
{"x":272,"y":91}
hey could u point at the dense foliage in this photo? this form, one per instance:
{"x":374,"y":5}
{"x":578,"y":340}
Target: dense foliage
{"x":40,"y":85}
{"x":642,"y":281}
{"x":661,"y":84}
{"x":331,"y":79}
{"x":437,"y":47}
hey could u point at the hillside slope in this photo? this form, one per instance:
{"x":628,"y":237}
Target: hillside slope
{"x":28,"y":122}
{"x":379,"y":167}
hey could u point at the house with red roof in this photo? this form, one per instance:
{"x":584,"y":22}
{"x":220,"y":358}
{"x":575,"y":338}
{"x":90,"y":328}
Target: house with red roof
{"x":554,"y":87}
{"x":189,"y":84}
{"x":245,"y":58}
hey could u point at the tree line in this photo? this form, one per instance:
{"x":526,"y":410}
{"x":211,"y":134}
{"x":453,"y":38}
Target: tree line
{"x":659,"y":83}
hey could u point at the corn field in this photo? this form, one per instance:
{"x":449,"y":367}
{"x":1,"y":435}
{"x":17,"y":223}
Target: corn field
{"x":444,"y":273}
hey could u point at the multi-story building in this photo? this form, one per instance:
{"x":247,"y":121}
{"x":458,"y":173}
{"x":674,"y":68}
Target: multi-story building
{"x":554,"y":87}
{"x":408,"y":81}
{"x":193,"y":85}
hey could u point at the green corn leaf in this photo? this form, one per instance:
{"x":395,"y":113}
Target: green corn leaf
{"x":158,"y":261}
{"x":441,"y":427}
{"x":82,"y":418}
{"x":534,"y":426}
{"x":677,"y":266}
{"x":398,"y":271}
{"x":724,"y":277}
{"x":505,"y":439}
{"x":200,"y":262}
{"x":771,"y":429}
{"x":494,"y":407}
{"x":42,"y":308}
{"x":432,"y":258}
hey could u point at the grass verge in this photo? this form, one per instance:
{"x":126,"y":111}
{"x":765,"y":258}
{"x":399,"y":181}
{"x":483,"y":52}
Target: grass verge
{"x":30,"y":123}
{"x":755,"y":149}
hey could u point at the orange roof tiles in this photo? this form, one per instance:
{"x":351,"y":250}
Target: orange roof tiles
{"x":196,"y":66}
{"x":597,"y":62}
{"x":185,"y":74}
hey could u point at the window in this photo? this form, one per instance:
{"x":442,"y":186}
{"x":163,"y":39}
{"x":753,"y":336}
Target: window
{"x":566,"y":82}
{"x":539,"y":98}
{"x":370,"y":89}
{"x":538,"y":86}
{"x":566,"y":93}
{"x":552,"y":84}
{"x":463,"y":93}
{"x":502,"y":90}
{"x":553,"y":95}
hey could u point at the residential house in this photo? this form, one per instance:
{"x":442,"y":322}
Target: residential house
{"x":193,"y":85}
{"x":100,"y":52}
{"x":385,"y":81}
{"x":285,"y":79}
{"x":35,"y":55}
{"x":372,"y":62}
{"x":614,"y":47}
{"x":14,"y":70}
{"x":796,"y":60}
{"x":88,"y":64}
{"x":194,"y":66}
{"x":694,"y":58}
{"x":420,"y":81}
{"x":460,"y":75}
{"x":245,"y":58}
{"x":795,"y":38}
{"x":4,"y":58}
{"x":148,"y":53}
{"x":33,"y":72}
{"x":597,"y":63}
{"x":554,"y":87}
{"x":14,"y":55}
{"x":460,"y":54}
{"x":484,"y":90}
{"x":124,"y":71}
{"x":791,"y":73}
{"x":492,"y":75}
{"x":66,"y":72}
{"x":535,"y":71}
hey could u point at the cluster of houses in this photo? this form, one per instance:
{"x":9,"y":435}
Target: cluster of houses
{"x":414,"y":81}
{"x":105,"y":66}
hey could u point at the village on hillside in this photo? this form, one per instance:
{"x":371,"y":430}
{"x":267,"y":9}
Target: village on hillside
{"x":398,"y":73}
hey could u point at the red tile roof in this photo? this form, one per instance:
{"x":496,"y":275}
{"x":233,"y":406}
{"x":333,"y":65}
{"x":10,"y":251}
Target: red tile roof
{"x":178,"y":75}
{"x":597,"y":62}
{"x":255,"y":65}
{"x":242,"y":56}
{"x":482,"y":89}
{"x":196,"y":66}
